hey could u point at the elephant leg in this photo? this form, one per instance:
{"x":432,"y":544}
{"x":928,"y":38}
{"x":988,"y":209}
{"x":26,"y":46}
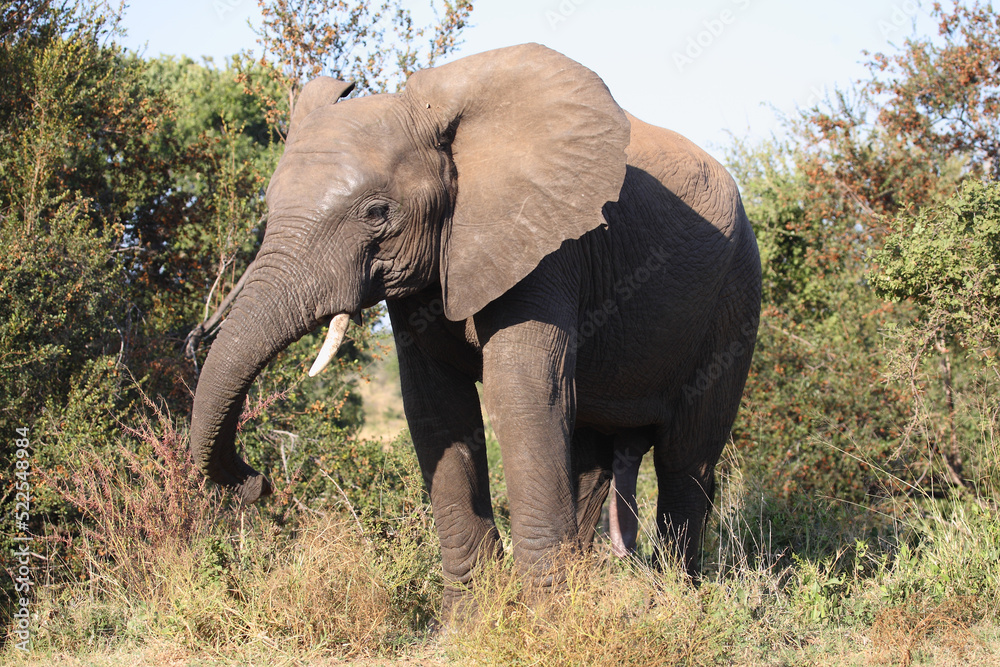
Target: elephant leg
{"x":687,"y":449}
{"x":683,"y":504}
{"x":529,"y":394}
{"x":629,"y":448}
{"x":592,"y":460}
{"x":445,"y":419}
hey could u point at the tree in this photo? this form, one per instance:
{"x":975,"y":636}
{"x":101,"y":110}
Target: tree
{"x":74,"y":116}
{"x":816,"y":414}
{"x":946,"y":260}
{"x":945,"y":100}
{"x":822,"y":201}
{"x":74,"y":174}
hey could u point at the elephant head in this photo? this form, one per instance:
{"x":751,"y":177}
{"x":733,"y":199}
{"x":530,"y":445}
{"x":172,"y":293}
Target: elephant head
{"x":466,"y":179}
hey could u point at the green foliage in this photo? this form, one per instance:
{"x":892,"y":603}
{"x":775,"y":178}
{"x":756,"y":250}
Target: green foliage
{"x":817,"y":417}
{"x":807,"y":259}
{"x":66,"y":164}
{"x":77,"y":117}
{"x":828,"y":404}
{"x":946,"y":259}
{"x":819,"y":591}
{"x":816,"y":414}
{"x":940,"y":97}
{"x":58,"y":309}
{"x":957,"y":549}
{"x":207,"y":100}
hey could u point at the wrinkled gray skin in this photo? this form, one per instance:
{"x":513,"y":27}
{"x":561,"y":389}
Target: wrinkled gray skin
{"x":596,"y":273}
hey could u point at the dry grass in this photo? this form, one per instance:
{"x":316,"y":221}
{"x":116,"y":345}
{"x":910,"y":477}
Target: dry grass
{"x":174,"y":576}
{"x":944,"y":628}
{"x":140,"y":504}
{"x":167,"y":563}
{"x":253,"y":597}
{"x":609,"y":613}
{"x":328,"y":591}
{"x":336,"y":590}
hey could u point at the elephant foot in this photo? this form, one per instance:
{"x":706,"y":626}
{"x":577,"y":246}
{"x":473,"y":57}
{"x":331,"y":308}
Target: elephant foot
{"x":623,"y":512}
{"x":458,"y":607}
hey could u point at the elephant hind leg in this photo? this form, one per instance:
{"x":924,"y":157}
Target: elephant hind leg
{"x":592,"y":460}
{"x":629,"y":448}
{"x":683,"y":505}
{"x":608,"y":463}
{"x":686,"y":452}
{"x":687,"y":448}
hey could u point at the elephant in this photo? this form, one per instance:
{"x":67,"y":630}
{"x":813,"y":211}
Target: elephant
{"x":597,"y":274}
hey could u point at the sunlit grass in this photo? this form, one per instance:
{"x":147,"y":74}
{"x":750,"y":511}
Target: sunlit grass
{"x":902,"y":580}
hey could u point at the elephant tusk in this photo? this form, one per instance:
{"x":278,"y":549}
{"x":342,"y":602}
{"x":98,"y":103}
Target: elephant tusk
{"x":338,"y":327}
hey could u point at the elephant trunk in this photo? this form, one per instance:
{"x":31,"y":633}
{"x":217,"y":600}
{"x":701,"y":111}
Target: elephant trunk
{"x":265,"y":319}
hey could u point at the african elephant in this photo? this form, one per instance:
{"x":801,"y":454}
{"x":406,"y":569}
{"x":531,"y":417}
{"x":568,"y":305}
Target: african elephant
{"x":597,"y":274}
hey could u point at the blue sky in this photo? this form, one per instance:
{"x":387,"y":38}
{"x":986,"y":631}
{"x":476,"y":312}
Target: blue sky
{"x":701,"y":69}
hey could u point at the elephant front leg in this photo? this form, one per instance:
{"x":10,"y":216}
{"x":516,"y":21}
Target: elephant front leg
{"x":445,"y":419}
{"x":592,"y":470}
{"x":529,"y":395}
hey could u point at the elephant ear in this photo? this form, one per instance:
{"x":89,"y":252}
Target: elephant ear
{"x":321,"y":91}
{"x":539,"y":147}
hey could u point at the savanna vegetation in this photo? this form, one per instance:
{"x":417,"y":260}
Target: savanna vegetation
{"x":857,"y":519}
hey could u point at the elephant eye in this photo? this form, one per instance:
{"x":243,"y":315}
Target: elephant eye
{"x":377,"y":212}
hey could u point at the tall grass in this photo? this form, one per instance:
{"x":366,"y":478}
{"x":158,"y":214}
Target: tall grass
{"x":140,"y":504}
{"x":919,"y":585}
{"x":906,"y":579}
{"x":165,"y":560}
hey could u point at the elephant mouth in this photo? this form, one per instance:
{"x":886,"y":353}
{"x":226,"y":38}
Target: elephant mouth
{"x":334,"y":337}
